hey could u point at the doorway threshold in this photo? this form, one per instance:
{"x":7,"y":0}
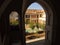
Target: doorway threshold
{"x":37,"y":39}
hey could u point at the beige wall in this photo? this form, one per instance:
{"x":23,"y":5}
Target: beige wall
{"x":36,"y":12}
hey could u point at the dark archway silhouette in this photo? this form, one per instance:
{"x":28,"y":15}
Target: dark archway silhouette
{"x":49,"y":7}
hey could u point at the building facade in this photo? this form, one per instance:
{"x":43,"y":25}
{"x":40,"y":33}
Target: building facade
{"x":35,"y":16}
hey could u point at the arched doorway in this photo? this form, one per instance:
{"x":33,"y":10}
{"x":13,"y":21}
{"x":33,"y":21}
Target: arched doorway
{"x":8,"y":27}
{"x":49,"y":18}
{"x":13,"y":17}
{"x":35,"y":23}
{"x":14,"y":28}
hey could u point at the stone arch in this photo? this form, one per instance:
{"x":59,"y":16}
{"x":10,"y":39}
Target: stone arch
{"x":49,"y":16}
{"x":8,"y":7}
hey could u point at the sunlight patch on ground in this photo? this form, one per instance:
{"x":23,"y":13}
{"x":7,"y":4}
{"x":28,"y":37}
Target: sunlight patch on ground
{"x":33,"y":40}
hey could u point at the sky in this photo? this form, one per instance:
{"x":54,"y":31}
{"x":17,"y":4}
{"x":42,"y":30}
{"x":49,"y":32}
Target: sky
{"x":35,"y":6}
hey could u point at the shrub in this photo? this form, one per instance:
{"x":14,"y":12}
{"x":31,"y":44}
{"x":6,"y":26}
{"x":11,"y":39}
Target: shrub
{"x":42,"y":26}
{"x":14,"y":23}
{"x":32,"y":25}
{"x":27,"y":21}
